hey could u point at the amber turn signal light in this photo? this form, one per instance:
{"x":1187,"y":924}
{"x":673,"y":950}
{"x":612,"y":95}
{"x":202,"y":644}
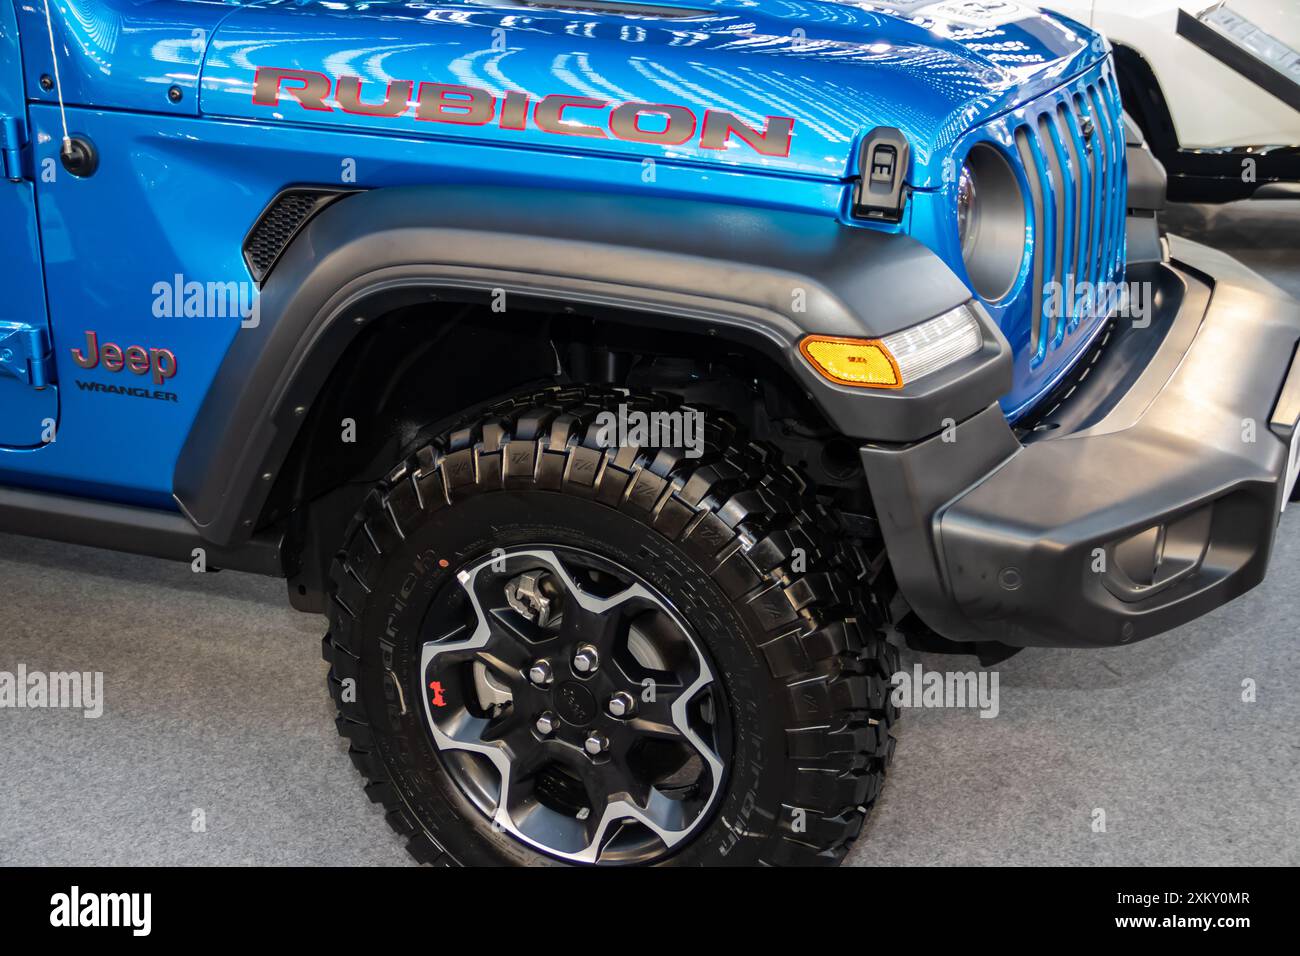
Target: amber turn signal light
{"x":863,"y":363}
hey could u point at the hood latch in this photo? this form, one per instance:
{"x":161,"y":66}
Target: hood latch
{"x":881,"y":191}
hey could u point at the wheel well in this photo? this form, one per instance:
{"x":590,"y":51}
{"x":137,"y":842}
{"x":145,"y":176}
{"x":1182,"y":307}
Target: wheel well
{"x":416,"y":370}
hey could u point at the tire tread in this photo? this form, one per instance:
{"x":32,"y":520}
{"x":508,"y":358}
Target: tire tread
{"x":748,"y":519}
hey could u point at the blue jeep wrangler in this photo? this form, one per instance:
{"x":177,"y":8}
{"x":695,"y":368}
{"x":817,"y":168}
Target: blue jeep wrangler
{"x":623,"y":380}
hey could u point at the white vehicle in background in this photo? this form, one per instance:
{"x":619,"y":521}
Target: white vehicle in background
{"x":1215,"y":88}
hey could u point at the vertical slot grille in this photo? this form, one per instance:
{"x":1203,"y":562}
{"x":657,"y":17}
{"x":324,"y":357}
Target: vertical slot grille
{"x":1071,"y":145}
{"x":1061,"y":184}
{"x":1029,"y":156}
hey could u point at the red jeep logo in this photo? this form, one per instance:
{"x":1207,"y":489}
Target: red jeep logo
{"x":139,"y":360}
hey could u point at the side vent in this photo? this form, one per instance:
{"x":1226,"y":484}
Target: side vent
{"x":280,"y":221}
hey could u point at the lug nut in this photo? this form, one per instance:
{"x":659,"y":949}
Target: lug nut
{"x":621,"y":704}
{"x":585,"y":661}
{"x":540,"y":673}
{"x":595,"y":743}
{"x":546,"y":724}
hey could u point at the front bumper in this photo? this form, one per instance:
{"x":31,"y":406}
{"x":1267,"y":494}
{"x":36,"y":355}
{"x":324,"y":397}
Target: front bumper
{"x":1149,"y":496}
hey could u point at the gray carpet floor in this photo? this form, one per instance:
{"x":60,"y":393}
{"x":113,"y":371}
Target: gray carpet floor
{"x":215,"y":709}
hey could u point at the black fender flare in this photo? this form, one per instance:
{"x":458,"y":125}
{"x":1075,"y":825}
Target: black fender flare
{"x":738,"y":272}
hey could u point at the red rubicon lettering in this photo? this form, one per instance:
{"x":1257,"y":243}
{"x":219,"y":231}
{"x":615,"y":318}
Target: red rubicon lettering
{"x":772,"y":140}
{"x":311,"y":94}
{"x":514,"y":110}
{"x":679,"y":125}
{"x":660,"y":124}
{"x":549,"y":115}
{"x":436,"y":699}
{"x":447,"y":103}
{"x":396,"y":100}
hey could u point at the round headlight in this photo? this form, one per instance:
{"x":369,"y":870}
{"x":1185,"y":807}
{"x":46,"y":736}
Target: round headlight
{"x":990,"y":222}
{"x":965,"y":202}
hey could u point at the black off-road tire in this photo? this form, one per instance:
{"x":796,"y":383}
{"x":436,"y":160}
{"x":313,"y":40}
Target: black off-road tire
{"x":789,"y":606}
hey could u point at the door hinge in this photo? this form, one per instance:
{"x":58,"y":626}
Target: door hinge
{"x":12,"y":138}
{"x":25,"y":354}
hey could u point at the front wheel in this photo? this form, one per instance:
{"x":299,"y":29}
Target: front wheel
{"x":545,"y":650}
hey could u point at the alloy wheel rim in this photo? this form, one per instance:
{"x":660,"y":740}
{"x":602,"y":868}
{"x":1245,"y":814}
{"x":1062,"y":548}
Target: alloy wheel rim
{"x":573,"y":705}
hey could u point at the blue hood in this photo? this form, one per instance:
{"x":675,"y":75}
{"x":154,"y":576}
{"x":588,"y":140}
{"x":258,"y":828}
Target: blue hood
{"x":834,"y":69}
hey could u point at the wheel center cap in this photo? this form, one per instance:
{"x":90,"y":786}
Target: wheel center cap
{"x":574,"y":703}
